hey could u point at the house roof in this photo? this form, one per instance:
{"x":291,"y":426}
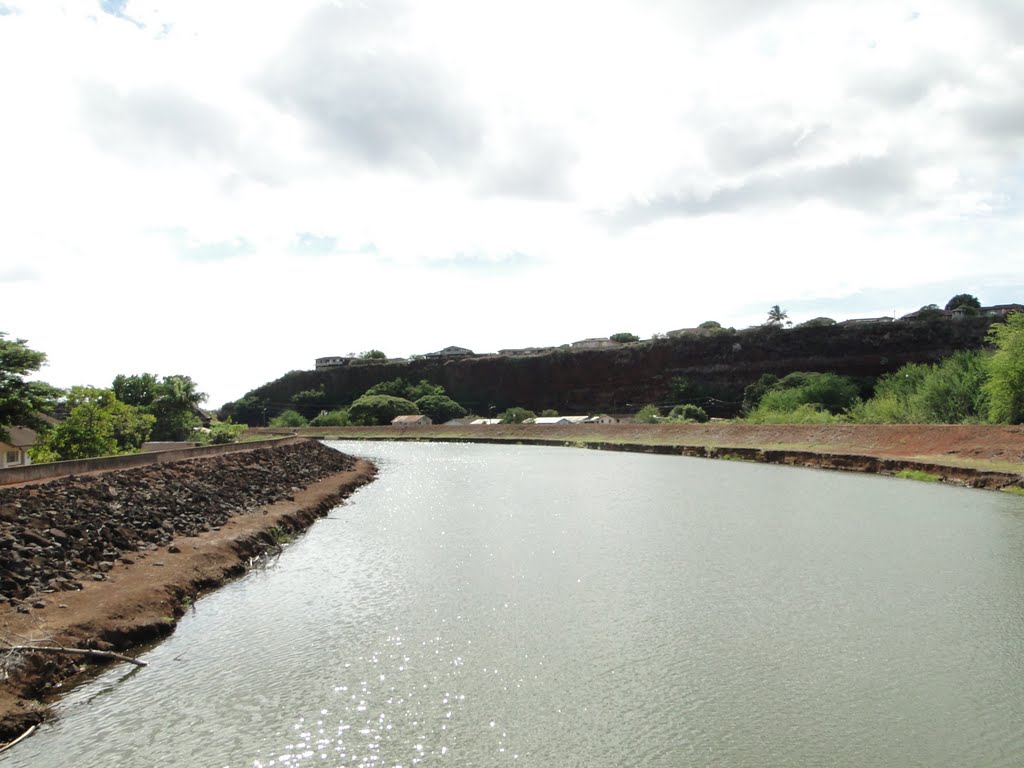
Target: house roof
{"x":412,"y":419}
{"x":22,"y":437}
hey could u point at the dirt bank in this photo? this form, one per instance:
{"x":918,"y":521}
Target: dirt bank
{"x":110,"y":561}
{"x":980,"y":455}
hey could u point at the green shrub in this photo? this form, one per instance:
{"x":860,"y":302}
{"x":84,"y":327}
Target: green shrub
{"x":688,"y":412}
{"x":649,"y":414}
{"x":288,"y":418}
{"x":224,"y":432}
{"x":806,"y":413}
{"x":516,"y":415}
{"x":336,"y":418}
{"x":440,"y":408}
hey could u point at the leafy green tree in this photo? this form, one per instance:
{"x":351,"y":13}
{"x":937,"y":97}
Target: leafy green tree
{"x":895,"y":400}
{"x":288,"y":418}
{"x":309,"y":402}
{"x":710,"y":325}
{"x":953,"y":392}
{"x":549,"y":412}
{"x":22,"y":402}
{"x":371,"y":410}
{"x":624,"y":338}
{"x":224,"y":432}
{"x":827,"y":393}
{"x":399,"y":387}
{"x":753,"y":393}
{"x":423,"y":389}
{"x":817,"y":322}
{"x":516,"y":415}
{"x":1005,"y":384}
{"x":251,"y":410}
{"x":649,"y":414}
{"x":137,"y":390}
{"x":98,"y":424}
{"x":372,"y":354}
{"x":928,"y":312}
{"x":688,"y":412}
{"x":440,"y":408}
{"x":336,"y":418}
{"x":175,"y":408}
{"x":965,"y":301}
{"x":777,"y":317}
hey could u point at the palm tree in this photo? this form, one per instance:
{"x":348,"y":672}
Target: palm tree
{"x":778,"y":317}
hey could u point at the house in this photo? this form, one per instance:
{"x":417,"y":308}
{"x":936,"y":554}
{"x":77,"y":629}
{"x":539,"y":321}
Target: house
{"x":450,"y":352}
{"x":457,"y":423}
{"x":332,"y":362}
{"x":602,"y":418}
{"x":417,"y":420}
{"x":548,"y":420}
{"x":14,"y":452}
{"x":602,"y":343}
{"x":484,"y":422}
{"x":866,"y":320}
{"x":1001,"y":310}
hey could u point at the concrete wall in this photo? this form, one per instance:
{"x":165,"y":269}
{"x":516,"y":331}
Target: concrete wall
{"x":56,"y":469}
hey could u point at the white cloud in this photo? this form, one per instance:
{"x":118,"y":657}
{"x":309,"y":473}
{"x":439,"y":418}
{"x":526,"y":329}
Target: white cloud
{"x":231,"y":189}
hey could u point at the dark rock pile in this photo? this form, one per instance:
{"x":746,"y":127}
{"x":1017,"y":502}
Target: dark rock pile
{"x":54,"y":535}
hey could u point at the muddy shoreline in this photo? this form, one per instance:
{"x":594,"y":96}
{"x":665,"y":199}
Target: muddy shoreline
{"x":138,"y":598}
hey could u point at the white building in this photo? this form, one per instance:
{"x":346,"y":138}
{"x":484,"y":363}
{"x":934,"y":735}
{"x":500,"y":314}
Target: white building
{"x":14,"y":452}
{"x":417,"y":420}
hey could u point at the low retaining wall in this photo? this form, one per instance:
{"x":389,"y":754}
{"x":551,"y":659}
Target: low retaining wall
{"x":50,"y":470}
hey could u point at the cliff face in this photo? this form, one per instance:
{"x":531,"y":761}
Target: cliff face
{"x":717,"y":368}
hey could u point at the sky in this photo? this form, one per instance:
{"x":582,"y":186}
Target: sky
{"x":231,"y":189}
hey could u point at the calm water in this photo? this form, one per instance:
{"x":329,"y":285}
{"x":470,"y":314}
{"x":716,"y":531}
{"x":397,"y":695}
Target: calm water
{"x":489,"y":605}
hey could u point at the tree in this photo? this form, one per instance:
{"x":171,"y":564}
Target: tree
{"x":373,"y":354}
{"x":175,"y":408}
{"x":624,"y":338}
{"x":688,"y":412}
{"x":309,"y":402}
{"x":22,"y":402}
{"x":440,"y":408}
{"x":288,"y":418}
{"x":649,"y":414}
{"x":1005,"y":385}
{"x":139,"y":390}
{"x":777,"y":317}
{"x":516,"y":415}
{"x":817,"y":322}
{"x":371,"y":410}
{"x":710,"y":325}
{"x":549,"y":412}
{"x":98,"y":424}
{"x":965,"y":301}
{"x":338,"y":418}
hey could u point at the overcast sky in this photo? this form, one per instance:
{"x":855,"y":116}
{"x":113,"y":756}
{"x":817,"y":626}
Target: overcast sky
{"x":229,"y":189}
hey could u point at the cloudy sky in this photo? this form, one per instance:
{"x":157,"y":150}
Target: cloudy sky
{"x":230,"y":189}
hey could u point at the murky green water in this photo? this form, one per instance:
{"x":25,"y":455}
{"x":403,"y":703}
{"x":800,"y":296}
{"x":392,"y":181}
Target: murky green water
{"x":489,"y":605}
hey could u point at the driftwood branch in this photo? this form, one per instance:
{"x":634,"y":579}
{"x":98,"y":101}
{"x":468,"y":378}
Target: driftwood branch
{"x":78,"y":652}
{"x":23,"y":736}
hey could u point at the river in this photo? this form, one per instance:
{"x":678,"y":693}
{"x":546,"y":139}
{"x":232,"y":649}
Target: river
{"x":532,"y":606}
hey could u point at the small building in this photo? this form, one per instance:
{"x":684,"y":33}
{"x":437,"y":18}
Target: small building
{"x":484,"y":422}
{"x":450,"y":352}
{"x":332,"y":362}
{"x":548,"y":420}
{"x":14,"y":452}
{"x":457,"y":423}
{"x":601,"y":418}
{"x":415,"y":420}
{"x":602,"y":343}
{"x":1001,"y":310}
{"x":866,"y":320}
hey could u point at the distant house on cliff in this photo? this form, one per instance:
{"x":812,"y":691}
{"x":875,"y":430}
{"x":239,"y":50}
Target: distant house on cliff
{"x":602,"y":343}
{"x":450,"y":352}
{"x":1001,"y":310}
{"x":417,"y":420}
{"x":866,"y":320}
{"x":14,"y":452}
{"x":332,"y":362}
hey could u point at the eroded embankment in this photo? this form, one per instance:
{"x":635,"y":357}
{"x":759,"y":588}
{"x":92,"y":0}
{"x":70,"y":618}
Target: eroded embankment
{"x":976,"y":455}
{"x":109,"y":561}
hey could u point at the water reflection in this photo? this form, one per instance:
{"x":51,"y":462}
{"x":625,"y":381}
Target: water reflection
{"x":479,"y":605}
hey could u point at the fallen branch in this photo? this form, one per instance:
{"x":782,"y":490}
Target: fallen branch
{"x":78,"y":652}
{"x":23,"y":736}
